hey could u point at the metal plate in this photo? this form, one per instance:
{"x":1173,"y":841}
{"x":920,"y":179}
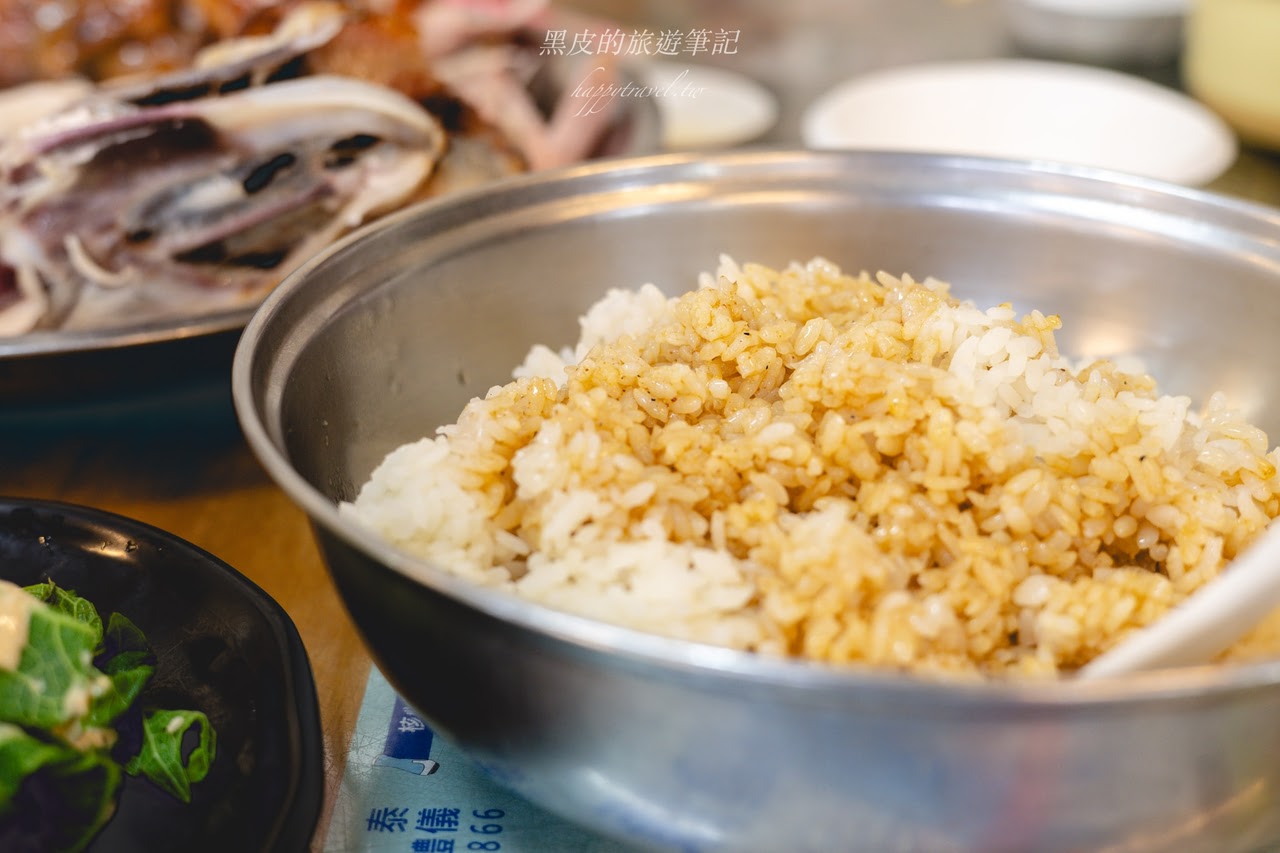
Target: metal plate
{"x":150,"y":371}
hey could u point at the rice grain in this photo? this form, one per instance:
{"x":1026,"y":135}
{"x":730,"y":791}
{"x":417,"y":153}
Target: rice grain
{"x":844,"y":468}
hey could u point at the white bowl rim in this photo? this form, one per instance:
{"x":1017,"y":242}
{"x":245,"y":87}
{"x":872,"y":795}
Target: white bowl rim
{"x":930,"y":107}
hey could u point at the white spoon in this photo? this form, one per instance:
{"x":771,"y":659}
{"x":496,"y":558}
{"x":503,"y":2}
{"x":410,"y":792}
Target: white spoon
{"x":1208,"y":622}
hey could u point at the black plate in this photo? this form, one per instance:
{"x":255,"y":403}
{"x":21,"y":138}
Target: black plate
{"x":223,"y":646}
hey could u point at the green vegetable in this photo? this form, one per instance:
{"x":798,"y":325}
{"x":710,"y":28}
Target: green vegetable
{"x":160,"y":759}
{"x":126,"y":662}
{"x":56,"y":663}
{"x":41,"y":771}
{"x":76,"y":686}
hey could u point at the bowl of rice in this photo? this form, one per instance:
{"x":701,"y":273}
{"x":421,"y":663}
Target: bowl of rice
{"x":772,"y":500}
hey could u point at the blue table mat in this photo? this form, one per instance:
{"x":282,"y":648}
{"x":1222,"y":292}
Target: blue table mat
{"x":407,"y":789}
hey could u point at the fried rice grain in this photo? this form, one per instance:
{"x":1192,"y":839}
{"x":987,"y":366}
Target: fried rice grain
{"x":849,"y":469}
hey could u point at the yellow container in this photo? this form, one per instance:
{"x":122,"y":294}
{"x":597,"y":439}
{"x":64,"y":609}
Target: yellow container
{"x":1232,"y":64}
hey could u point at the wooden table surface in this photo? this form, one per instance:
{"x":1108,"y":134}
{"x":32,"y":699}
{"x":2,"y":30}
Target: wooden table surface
{"x":197,"y":479}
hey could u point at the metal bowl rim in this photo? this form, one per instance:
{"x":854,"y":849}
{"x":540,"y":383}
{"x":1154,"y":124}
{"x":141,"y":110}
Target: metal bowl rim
{"x":678,"y":658}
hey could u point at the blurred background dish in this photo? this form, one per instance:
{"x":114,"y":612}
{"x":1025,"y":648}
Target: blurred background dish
{"x":1232,"y":63}
{"x":1026,"y":109}
{"x":223,"y":647}
{"x":1107,"y":32}
{"x":102,"y":315}
{"x":707,"y":107}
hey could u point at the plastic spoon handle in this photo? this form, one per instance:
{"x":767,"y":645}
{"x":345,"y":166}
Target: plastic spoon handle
{"x":1208,"y":622}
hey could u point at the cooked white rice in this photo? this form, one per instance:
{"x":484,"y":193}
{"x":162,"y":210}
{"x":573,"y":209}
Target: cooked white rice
{"x":849,"y":469}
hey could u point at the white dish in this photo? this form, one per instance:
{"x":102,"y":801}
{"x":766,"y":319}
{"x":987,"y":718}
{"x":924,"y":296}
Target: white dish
{"x":1027,"y":110}
{"x":705,"y":107}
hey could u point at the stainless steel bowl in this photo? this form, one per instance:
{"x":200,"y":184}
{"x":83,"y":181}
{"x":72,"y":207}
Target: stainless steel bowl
{"x":687,"y":747}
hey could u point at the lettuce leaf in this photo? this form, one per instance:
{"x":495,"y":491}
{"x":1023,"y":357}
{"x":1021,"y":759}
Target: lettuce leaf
{"x":67,"y":602}
{"x":55,"y":677}
{"x":123,"y":645}
{"x":127,"y":661}
{"x":53,"y":793}
{"x":164,"y":736}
